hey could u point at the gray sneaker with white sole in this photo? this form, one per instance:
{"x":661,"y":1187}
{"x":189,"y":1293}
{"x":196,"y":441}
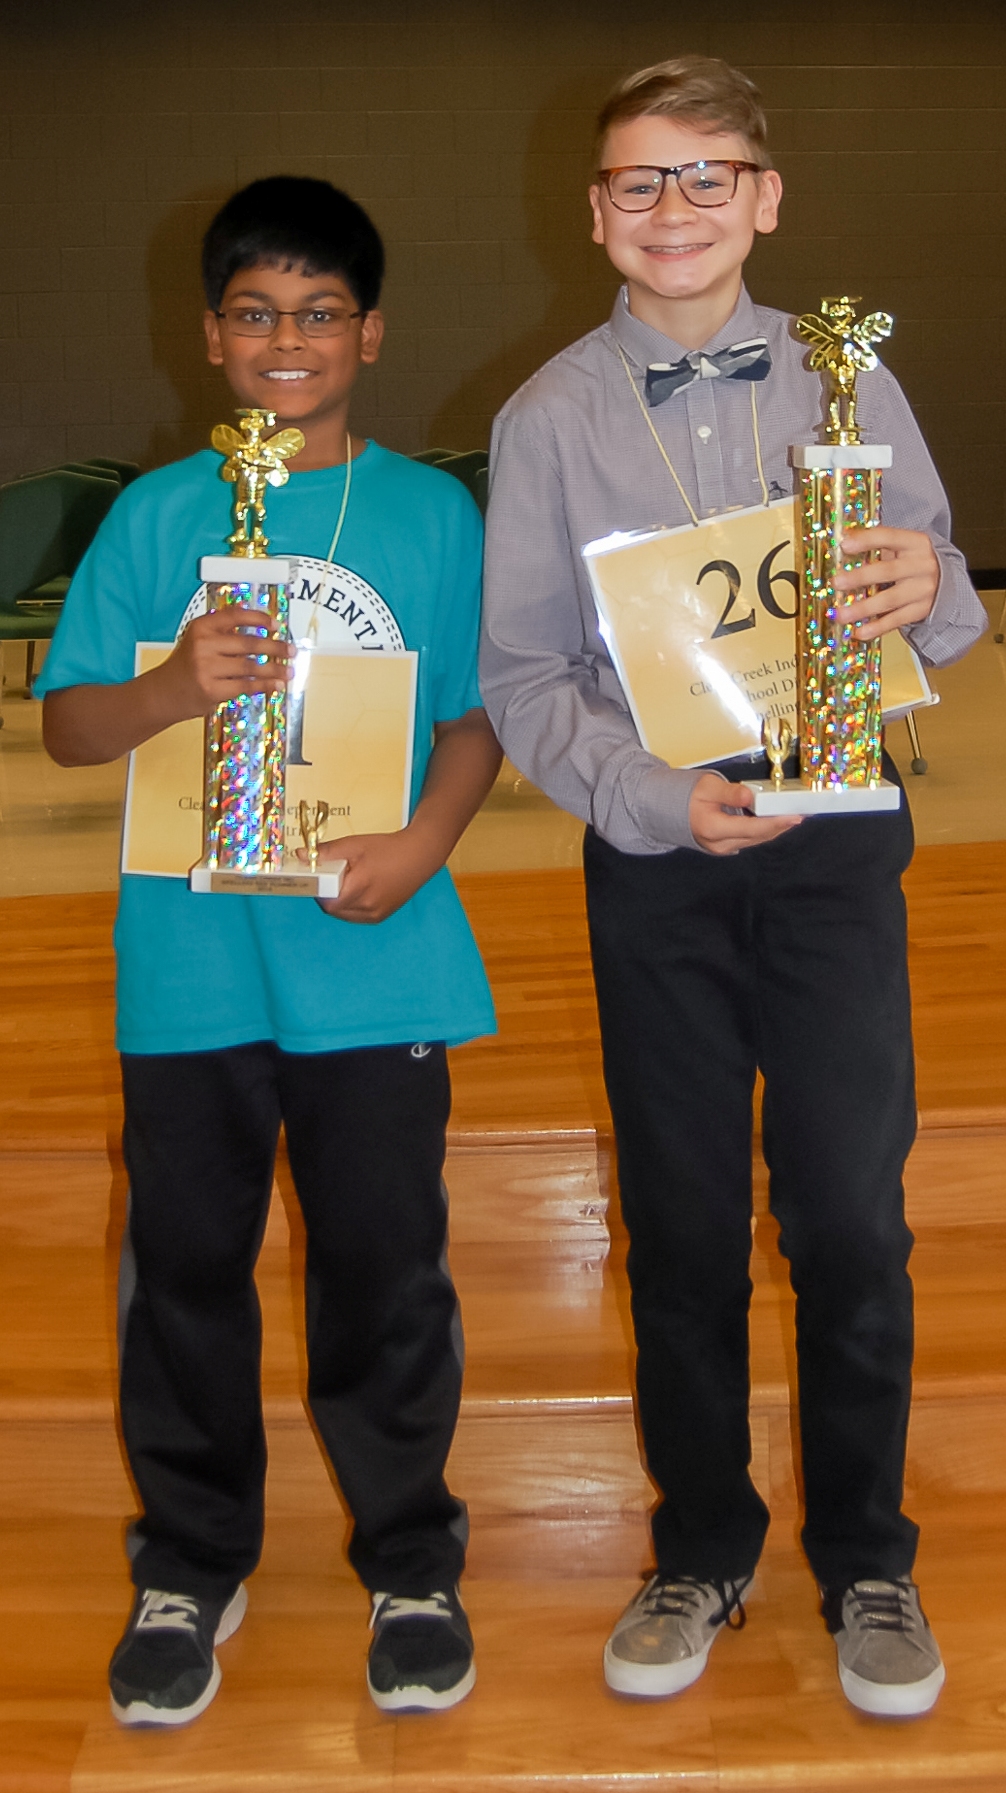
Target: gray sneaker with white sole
{"x":662,"y":1641}
{"x":889,"y":1662}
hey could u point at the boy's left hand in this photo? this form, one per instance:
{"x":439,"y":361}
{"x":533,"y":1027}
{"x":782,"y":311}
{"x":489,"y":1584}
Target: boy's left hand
{"x":382,"y":872}
{"x":910,"y":573}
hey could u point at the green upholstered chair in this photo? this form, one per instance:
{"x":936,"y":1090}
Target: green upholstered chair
{"x":472,"y":468}
{"x":47,"y":520}
{"x":126,"y":470}
{"x":90,"y":468}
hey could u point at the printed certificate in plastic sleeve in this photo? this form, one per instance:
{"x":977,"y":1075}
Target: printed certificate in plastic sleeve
{"x":353,"y":751}
{"x":700,"y":624}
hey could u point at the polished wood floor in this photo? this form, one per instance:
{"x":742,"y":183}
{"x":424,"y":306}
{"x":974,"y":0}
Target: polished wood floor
{"x":546,"y":1453}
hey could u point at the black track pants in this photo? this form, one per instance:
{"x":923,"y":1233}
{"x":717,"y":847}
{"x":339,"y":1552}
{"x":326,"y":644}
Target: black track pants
{"x":365,"y":1133}
{"x":791,"y":957}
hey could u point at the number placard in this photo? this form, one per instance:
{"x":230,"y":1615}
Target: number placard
{"x":701,"y":628}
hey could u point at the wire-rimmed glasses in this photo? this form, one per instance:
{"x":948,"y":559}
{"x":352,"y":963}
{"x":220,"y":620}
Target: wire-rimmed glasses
{"x":311,"y":320}
{"x":639,"y":189}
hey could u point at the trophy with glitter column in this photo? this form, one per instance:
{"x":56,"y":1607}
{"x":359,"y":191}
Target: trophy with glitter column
{"x":838,"y":675}
{"x":244,"y":805}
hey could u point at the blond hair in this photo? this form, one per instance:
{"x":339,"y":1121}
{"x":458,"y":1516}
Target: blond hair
{"x":702,"y":89}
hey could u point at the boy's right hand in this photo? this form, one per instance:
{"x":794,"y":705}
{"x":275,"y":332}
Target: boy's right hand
{"x":716,"y":825}
{"x":215,"y":661}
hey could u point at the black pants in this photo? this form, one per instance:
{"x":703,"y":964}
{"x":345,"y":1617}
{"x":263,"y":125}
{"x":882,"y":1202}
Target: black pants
{"x":792,"y":957}
{"x":366,"y":1134}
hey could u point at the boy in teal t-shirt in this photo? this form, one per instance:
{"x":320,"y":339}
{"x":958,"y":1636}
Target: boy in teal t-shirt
{"x":237,"y":1015}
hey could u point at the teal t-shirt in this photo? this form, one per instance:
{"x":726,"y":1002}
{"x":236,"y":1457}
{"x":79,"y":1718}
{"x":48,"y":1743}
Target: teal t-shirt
{"x":197,"y":973}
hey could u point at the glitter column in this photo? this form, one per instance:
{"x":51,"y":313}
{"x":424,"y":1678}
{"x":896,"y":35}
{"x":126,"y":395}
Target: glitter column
{"x":839,"y":724}
{"x":245,"y":797}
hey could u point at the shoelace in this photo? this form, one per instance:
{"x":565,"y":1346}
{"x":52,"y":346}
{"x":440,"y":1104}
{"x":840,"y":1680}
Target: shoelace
{"x":403,"y":1606}
{"x":883,"y":1606}
{"x":167,"y":1612}
{"x":674,"y":1598}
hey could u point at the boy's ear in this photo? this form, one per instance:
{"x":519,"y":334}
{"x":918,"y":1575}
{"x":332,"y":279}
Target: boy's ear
{"x":769,"y":196}
{"x":594,"y":195}
{"x":371,"y":337}
{"x":214,"y":352}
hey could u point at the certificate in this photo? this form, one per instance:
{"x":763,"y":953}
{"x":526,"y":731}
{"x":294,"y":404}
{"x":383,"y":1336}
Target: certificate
{"x":700,"y":624}
{"x":354,"y":753}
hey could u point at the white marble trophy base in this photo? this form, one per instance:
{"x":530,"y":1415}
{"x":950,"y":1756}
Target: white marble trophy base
{"x":793,"y":798}
{"x":295,"y":879}
{"x":815,"y":457}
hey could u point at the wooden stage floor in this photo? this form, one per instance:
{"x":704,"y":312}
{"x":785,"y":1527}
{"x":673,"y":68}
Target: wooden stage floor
{"x":546,"y":1454}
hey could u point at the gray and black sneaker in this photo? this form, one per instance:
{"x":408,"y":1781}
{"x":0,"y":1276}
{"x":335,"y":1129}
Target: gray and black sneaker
{"x":662,"y":1641}
{"x":421,"y":1654}
{"x":888,"y":1659}
{"x":164,"y":1671}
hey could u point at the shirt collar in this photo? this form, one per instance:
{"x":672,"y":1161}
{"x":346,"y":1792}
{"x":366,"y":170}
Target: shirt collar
{"x":643,"y":344}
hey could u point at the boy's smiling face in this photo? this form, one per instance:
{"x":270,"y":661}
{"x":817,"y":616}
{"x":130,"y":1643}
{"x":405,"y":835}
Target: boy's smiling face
{"x":306,"y":380}
{"x":682,"y":262}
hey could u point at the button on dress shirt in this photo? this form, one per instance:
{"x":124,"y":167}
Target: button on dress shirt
{"x":572,"y":460}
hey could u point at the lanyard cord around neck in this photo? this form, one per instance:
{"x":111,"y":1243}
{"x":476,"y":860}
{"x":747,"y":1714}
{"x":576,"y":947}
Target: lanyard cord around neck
{"x":345,"y":498}
{"x":692,"y":512}
{"x":312,"y":627}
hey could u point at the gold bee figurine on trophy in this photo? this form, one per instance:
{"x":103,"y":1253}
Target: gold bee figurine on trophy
{"x":842,"y":349}
{"x":252,"y":464}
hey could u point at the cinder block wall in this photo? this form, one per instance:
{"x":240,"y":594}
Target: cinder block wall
{"x":465,"y":127}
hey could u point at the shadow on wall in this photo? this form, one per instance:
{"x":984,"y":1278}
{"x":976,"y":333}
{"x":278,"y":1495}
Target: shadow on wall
{"x":557,"y":235}
{"x":178,"y":346}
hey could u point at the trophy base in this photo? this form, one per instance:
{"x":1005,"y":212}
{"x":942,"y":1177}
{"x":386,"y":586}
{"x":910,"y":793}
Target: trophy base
{"x":294,"y":879}
{"x":794,"y":798}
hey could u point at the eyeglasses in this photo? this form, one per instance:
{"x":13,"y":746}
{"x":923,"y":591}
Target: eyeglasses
{"x":261,"y":320}
{"x":701,"y":183}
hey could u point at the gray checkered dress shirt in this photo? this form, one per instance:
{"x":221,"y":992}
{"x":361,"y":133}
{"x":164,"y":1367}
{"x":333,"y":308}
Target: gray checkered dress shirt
{"x":572,"y":460}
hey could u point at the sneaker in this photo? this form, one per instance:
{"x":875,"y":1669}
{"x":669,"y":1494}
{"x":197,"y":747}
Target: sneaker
{"x":663,"y":1638}
{"x":421,"y":1653}
{"x":164,"y":1671}
{"x":888,"y":1659}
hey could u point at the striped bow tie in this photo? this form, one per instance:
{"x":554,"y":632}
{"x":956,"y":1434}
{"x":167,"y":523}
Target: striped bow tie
{"x":745,"y":361}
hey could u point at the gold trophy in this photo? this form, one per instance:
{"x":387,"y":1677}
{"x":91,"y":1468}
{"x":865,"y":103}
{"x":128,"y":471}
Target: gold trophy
{"x":839,"y":734}
{"x":244,"y":806}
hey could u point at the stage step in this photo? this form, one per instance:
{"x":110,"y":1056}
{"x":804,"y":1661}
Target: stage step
{"x":293,"y":1712}
{"x":546,"y":1454}
{"x":547,"y":1421}
{"x":543,"y":1071}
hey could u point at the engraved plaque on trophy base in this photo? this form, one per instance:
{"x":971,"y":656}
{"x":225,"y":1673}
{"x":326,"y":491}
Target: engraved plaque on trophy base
{"x":294,"y":878}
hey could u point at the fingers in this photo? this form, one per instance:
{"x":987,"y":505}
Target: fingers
{"x":893,"y":592}
{"x":719,"y":824}
{"x":227,"y":653}
{"x":240,"y":634}
{"x":911,"y":603}
{"x":896,"y":604}
{"x":879,"y":536}
{"x":750,"y":831}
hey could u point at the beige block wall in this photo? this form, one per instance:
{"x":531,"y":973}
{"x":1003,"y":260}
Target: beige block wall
{"x":465,"y":128}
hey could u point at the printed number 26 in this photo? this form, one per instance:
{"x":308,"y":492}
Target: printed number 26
{"x":765,"y":581}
